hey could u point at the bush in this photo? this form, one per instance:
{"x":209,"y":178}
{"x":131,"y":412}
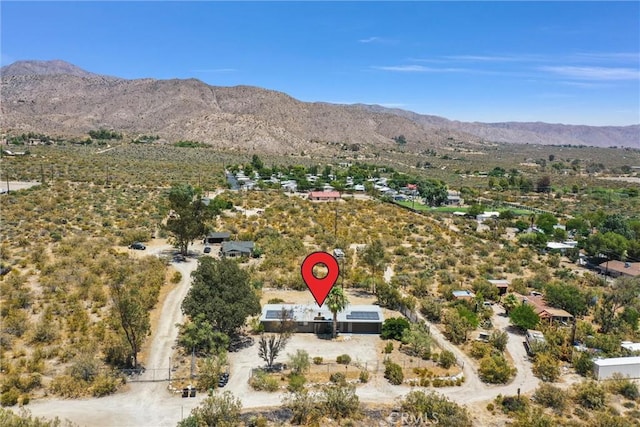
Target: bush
{"x":512,"y":403}
{"x":388,"y":348}
{"x":67,"y":386}
{"x":583,"y":364}
{"x":480,"y":349}
{"x":261,"y":381}
{"x":104,"y":385}
{"x":546,"y":367}
{"x":9,"y":397}
{"x":393,"y":373}
{"x":550,"y":396}
{"x":436,"y":408}
{"x":299,"y":361}
{"x":176,"y":277}
{"x":341,"y":402}
{"x":446,"y":359}
{"x":364,"y":376}
{"x":296,"y":382}
{"x":343,"y":359}
{"x":338,"y":378}
{"x":393,"y":328}
{"x":495,"y":370}
{"x":590,"y":395}
{"x":624,"y":387}
{"x":317,"y":360}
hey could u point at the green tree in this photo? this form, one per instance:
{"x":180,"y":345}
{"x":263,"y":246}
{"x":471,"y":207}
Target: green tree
{"x":446,"y":359}
{"x":623,"y":293}
{"x":610,"y":244}
{"x":510,"y":302}
{"x":524,"y":317}
{"x":199,"y":335}
{"x":418,"y":338}
{"x":191,"y":213}
{"x":218,"y":410}
{"x":499,"y":340}
{"x":129,"y":309}
{"x":393,"y":328}
{"x":336,"y":302}
{"x":567,"y":297}
{"x":545,"y":221}
{"x":373,"y":256}
{"x":456,"y":326}
{"x":221,"y":292}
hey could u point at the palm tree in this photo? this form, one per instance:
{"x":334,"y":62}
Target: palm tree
{"x":336,"y":302}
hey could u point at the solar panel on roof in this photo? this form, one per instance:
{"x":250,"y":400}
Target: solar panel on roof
{"x":363,"y":315}
{"x":276,"y":314}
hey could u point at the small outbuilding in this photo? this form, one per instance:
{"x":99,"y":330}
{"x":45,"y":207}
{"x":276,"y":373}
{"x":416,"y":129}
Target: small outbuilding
{"x":626,"y":366}
{"x":219,"y":237}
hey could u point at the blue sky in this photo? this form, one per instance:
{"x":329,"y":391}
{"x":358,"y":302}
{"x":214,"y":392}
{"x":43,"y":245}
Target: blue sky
{"x":572,"y":62}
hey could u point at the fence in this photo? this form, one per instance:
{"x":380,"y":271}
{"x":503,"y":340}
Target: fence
{"x":149,"y":375}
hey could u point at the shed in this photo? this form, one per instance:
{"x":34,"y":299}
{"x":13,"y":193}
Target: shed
{"x":501,"y":284}
{"x":625,"y":366}
{"x":218,"y":237}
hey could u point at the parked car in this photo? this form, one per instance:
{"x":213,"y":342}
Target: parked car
{"x":207,"y":249}
{"x":138,"y":246}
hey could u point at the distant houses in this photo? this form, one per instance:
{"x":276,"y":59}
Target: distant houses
{"x":324,"y":195}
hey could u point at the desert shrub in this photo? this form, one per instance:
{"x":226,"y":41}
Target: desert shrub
{"x":317,"y":360}
{"x":624,"y":387}
{"x":305,"y":407}
{"x":590,"y":395}
{"x":105,"y":384}
{"x":176,"y":277}
{"x":343,"y":359}
{"x":447,"y":359}
{"x":388,"y":348}
{"x":299,"y":361}
{"x":551,"y":396}
{"x":510,"y":404}
{"x":431,"y":309}
{"x":437,"y":408}
{"x":498,"y":340}
{"x":68,"y":386}
{"x":583,"y":364}
{"x":296,"y":382}
{"x":275,"y":301}
{"x":393,"y":373}
{"x":9,"y":397}
{"x":261,"y":381}
{"x":341,"y":402}
{"x":338,"y":378}
{"x":84,"y":368}
{"x":364,"y":376}
{"x":495,"y":370}
{"x":480,"y":349}
{"x":546,"y":367}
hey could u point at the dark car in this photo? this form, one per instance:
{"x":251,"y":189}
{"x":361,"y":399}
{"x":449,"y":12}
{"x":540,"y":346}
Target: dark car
{"x":207,"y":249}
{"x":138,"y":246}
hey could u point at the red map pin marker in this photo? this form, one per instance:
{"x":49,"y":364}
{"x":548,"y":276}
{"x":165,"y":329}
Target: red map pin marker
{"x":320,"y":287}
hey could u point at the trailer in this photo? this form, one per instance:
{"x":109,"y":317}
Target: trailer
{"x":625,"y":366}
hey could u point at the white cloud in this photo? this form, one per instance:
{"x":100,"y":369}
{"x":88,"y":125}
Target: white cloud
{"x":370,"y":40}
{"x":594,"y":73}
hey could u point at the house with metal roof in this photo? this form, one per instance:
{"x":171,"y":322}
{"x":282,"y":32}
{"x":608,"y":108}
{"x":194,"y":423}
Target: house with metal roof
{"x":355,"y":319}
{"x":237,"y":248}
{"x":217,"y":237}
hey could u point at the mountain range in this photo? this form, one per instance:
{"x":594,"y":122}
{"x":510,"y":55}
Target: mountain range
{"x":58,"y":98}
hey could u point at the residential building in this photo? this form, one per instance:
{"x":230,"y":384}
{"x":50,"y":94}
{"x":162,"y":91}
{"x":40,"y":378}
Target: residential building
{"x":356,"y":319}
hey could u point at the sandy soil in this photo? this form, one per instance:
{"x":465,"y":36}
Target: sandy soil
{"x":17,"y":185}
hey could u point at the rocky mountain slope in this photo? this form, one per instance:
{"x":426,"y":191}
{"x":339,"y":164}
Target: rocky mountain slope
{"x":58,"y":98}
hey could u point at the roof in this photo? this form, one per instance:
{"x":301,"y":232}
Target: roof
{"x":307,"y":313}
{"x":463,"y":294}
{"x":220,"y":235}
{"x":631,"y":346}
{"x":627,"y":268}
{"x":240,"y":246}
{"x":501,"y":283}
{"x":558,"y":245}
{"x":324,"y":194}
{"x":617,"y":361}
